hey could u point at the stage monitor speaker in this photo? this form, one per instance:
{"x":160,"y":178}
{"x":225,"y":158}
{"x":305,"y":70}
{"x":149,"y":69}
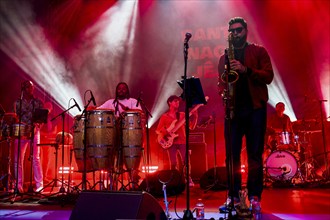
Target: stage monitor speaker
{"x":208,"y":180}
{"x":175,"y":183}
{"x":198,"y":160}
{"x":116,"y":205}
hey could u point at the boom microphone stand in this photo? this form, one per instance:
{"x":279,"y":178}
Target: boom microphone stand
{"x":16,"y":190}
{"x":187,"y":213}
{"x":62,"y":189}
{"x":147,"y":112}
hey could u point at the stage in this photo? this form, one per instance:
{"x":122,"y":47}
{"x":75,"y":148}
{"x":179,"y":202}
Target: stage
{"x":310,"y":201}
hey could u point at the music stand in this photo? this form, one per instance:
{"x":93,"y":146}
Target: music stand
{"x":192,"y":94}
{"x":40,"y":115}
{"x":194,"y":91}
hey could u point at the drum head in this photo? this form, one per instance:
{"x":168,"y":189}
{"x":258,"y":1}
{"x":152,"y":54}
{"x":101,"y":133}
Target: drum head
{"x":281,"y":165}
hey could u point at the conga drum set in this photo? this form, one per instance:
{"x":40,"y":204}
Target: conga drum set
{"x":113,"y":145}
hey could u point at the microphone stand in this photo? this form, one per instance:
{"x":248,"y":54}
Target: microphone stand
{"x":84,"y":174}
{"x":147,"y":112}
{"x":16,"y":190}
{"x":62,"y":114}
{"x":216,"y":180}
{"x":229,"y":115}
{"x":187,"y":213}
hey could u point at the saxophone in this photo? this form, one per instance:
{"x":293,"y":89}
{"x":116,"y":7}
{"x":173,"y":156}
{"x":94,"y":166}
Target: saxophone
{"x":229,"y":77}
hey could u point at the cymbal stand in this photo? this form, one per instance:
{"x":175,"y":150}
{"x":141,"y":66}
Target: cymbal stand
{"x":327,"y":171}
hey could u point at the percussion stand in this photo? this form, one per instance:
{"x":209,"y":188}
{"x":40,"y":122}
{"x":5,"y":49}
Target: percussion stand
{"x":7,"y":176}
{"x":147,"y":112}
{"x":55,"y":180}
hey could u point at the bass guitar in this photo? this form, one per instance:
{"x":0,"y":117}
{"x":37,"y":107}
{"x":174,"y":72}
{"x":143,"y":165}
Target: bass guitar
{"x":166,"y":141}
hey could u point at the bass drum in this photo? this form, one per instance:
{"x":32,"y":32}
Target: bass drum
{"x":281,"y":165}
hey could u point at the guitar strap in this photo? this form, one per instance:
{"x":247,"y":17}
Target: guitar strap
{"x":177,"y":116}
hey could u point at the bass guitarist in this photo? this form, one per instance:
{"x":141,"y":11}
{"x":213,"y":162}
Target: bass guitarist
{"x":171,"y":133}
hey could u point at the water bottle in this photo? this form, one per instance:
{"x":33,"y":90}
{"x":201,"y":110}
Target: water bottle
{"x":199,"y":210}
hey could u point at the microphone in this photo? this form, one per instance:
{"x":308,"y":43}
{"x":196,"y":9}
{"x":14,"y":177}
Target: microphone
{"x":188,"y":36}
{"x":92,"y":98}
{"x":76,"y":104}
{"x":139,"y":99}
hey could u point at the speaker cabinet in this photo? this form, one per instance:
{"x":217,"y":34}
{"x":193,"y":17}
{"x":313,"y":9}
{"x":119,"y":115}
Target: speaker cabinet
{"x":214,"y":179}
{"x":116,"y":205}
{"x":174,"y":181}
{"x":198,"y":160}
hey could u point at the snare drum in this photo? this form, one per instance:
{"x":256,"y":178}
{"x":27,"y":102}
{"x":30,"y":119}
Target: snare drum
{"x":281,"y":165}
{"x":100,"y":138}
{"x":132,"y":141}
{"x":22,"y":130}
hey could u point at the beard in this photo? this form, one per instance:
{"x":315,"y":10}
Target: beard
{"x":239,"y":41}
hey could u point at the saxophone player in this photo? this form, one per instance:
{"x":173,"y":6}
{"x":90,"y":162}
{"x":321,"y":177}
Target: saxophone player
{"x":253,"y":66}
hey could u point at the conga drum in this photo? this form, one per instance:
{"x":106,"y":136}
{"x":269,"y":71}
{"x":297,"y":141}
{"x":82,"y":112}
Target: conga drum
{"x":132,"y":138}
{"x":78,"y":145}
{"x":100,"y":130}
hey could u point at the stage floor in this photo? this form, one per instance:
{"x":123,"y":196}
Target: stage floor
{"x":277,"y":203}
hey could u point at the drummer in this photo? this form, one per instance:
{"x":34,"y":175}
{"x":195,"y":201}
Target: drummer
{"x":122,"y":102}
{"x":24,"y":108}
{"x":281,"y":126}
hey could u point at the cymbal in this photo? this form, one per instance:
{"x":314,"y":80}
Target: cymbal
{"x":302,"y":121}
{"x":310,"y":132}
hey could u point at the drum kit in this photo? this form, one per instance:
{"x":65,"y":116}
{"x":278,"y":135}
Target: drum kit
{"x":289,"y":156}
{"x":112,"y":144}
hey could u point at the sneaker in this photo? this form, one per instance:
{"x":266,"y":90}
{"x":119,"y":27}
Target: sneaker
{"x":255,"y":206}
{"x":39,"y":189}
{"x":225,"y":207}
